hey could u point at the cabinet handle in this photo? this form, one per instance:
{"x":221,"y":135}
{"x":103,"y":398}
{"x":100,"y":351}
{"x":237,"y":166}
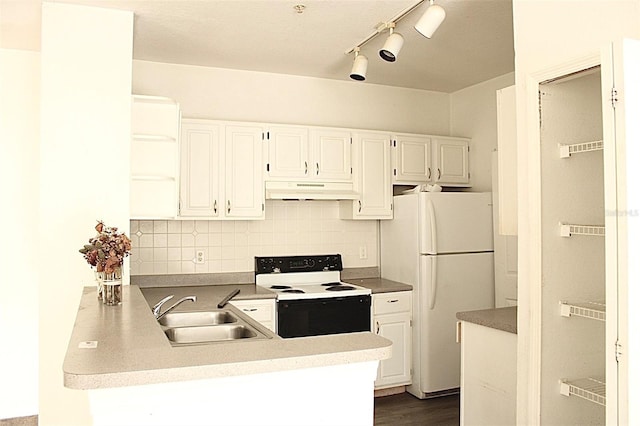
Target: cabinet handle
{"x":250,"y":309}
{"x":392,"y":301}
{"x":305,"y":168}
{"x":215,"y":206}
{"x":317,"y":169}
{"x":438,"y":174}
{"x":228,"y":206}
{"x":377,"y":327}
{"x":429,"y":173}
{"x":359,"y":206}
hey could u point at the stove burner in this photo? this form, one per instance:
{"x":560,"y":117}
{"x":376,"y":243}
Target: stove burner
{"x":340,"y":288}
{"x":280,"y":287}
{"x":331,"y":284}
{"x":292,"y":290}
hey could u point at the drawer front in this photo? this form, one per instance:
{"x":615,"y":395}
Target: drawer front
{"x":388,"y":303}
{"x":261,"y":311}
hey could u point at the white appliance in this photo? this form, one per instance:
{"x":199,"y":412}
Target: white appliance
{"x":310,"y":297}
{"x":441,"y":244}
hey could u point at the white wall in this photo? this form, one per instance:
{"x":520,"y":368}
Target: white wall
{"x":84,"y":173}
{"x":20,"y":133}
{"x":474,"y":115}
{"x":548,"y":33}
{"x":256,"y":96}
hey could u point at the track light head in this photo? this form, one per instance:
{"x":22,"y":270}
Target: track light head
{"x":359,"y":68}
{"x":392,"y":46}
{"x":431,"y":20}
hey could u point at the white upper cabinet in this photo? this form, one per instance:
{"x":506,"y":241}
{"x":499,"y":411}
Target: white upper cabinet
{"x":303,"y":153}
{"x":244,"y":184}
{"x":155,"y":126}
{"x":200,"y":178}
{"x":288,"y":152}
{"x":331,"y":154}
{"x":411,"y":159}
{"x":221,"y":174}
{"x":450,"y":161}
{"x":372,"y":174}
{"x":419,"y":159}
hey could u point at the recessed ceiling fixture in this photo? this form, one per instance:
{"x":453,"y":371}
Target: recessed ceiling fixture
{"x":359,"y":68}
{"x":427,"y":25}
{"x":299,"y":8}
{"x":431,"y":20}
{"x":392,"y":46}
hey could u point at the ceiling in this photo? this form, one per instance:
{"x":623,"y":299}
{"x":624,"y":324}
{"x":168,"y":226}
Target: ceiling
{"x":473,"y":44}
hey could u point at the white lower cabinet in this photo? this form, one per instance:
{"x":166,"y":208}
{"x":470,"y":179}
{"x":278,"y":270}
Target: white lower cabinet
{"x":221,"y":170}
{"x":261,"y":310}
{"x":487,"y":376}
{"x":391,"y":319}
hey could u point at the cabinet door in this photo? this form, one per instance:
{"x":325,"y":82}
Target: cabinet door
{"x":263,"y":311}
{"x":199,"y":174}
{"x":507,"y":188}
{"x":451,"y":160}
{"x":288,"y":152}
{"x":373,"y":176}
{"x":397,"y":369}
{"x":244,"y":185}
{"x":331,"y":154}
{"x":412,"y":159}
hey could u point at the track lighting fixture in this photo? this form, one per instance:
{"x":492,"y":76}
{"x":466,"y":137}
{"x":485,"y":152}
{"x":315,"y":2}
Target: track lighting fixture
{"x":426,"y":25}
{"x":392,"y":45}
{"x":431,"y":20}
{"x":359,"y":68}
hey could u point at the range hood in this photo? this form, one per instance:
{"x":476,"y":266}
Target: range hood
{"x":310,"y":191}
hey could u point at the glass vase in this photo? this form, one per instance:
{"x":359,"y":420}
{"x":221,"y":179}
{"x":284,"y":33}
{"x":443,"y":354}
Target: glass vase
{"x":109,"y":287}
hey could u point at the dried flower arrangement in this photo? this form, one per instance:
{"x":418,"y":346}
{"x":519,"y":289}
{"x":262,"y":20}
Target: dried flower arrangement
{"x":107,"y":250}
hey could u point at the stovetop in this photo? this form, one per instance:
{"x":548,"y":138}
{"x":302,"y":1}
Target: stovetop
{"x":305,"y":277}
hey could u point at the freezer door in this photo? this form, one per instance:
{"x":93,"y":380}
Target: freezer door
{"x":449,"y":284}
{"x":455,"y":222}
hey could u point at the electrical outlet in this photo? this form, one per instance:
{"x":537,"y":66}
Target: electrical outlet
{"x":200,"y":256}
{"x":363,"y":252}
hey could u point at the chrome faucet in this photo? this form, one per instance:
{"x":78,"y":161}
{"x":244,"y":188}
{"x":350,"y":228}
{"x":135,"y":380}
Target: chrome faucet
{"x":156,"y":308}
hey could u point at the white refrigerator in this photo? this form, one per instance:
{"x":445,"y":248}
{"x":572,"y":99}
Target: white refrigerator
{"x":441,"y":243}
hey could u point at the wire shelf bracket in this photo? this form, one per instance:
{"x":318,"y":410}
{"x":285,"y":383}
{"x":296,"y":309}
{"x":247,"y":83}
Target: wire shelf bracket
{"x":568,"y":230}
{"x":592,"y":310}
{"x":591,"y":389}
{"x":578,"y":148}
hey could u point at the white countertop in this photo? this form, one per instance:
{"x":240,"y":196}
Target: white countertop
{"x":133,"y":350}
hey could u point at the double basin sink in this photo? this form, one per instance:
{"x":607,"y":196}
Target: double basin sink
{"x":219,"y":325}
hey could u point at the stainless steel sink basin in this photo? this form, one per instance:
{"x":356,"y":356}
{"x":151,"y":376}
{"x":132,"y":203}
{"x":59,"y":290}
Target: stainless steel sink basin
{"x":188,"y":319}
{"x":213,"y":333}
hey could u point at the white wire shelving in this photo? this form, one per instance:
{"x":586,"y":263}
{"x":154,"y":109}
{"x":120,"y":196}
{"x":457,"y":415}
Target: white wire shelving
{"x":568,"y":230}
{"x":590,"y":389}
{"x":592,"y":310}
{"x":577,"y":148}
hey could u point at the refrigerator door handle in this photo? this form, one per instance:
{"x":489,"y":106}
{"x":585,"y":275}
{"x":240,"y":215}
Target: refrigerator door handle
{"x":432,"y":224}
{"x":433,"y":282}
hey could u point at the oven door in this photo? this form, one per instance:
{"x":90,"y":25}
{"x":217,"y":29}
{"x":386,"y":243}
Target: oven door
{"x":333,"y":315}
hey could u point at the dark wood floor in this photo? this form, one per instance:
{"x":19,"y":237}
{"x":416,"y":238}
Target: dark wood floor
{"x":405,"y":409}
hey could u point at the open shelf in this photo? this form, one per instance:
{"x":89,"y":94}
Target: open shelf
{"x":153,"y":138}
{"x":567,"y":150}
{"x":591,"y":310}
{"x":591,"y":389}
{"x":567,"y":230}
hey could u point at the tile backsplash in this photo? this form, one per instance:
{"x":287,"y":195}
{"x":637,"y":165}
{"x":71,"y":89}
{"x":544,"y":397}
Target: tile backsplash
{"x":289,"y":228}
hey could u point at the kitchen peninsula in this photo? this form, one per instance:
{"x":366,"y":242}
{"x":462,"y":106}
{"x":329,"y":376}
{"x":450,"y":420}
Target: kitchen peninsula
{"x":134,"y":375}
